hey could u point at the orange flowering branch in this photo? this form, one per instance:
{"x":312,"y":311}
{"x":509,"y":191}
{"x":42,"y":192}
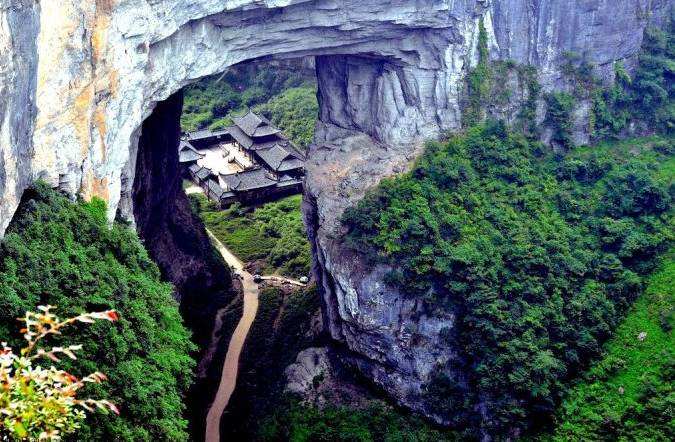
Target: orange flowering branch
{"x":39,"y":403}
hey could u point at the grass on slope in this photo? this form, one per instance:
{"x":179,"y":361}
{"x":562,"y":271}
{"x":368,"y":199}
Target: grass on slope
{"x":294,"y":111}
{"x":273,"y":233}
{"x":628,"y":394}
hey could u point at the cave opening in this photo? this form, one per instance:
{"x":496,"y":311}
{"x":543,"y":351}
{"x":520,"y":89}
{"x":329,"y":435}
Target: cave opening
{"x":362,"y":115}
{"x":190,"y":168}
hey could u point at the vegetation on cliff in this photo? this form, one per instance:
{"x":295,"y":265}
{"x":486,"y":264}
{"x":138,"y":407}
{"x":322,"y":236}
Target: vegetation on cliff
{"x":286,"y":94}
{"x":646,"y":99}
{"x":539,"y":256}
{"x":295,"y":111}
{"x":282,"y":328}
{"x":628,"y":394}
{"x":65,"y":254}
{"x":374,"y":421}
{"x":638,"y":104}
{"x":272,"y":233}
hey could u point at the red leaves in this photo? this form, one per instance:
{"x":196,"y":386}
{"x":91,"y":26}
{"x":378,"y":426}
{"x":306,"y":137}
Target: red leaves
{"x":113,"y":408}
{"x":112,"y":314}
{"x":70,"y":377}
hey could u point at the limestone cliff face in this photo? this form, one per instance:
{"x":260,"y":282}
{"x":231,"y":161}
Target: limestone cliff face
{"x":78,"y":78}
{"x":19,"y":27}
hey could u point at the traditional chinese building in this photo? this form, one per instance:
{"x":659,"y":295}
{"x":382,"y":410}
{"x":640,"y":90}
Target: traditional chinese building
{"x":249,"y":162}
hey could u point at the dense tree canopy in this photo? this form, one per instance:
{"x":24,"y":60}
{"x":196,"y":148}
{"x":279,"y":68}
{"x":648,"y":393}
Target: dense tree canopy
{"x":629,"y":393}
{"x":646,"y":98}
{"x":295,"y":111}
{"x":284,"y":94}
{"x":538,"y":255}
{"x":65,"y":254}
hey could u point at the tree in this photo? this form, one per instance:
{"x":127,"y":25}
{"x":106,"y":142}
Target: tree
{"x":62,"y":253}
{"x":537,"y":255}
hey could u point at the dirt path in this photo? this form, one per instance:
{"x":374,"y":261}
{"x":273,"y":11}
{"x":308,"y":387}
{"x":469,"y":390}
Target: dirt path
{"x":228,"y":378}
{"x":193,"y":189}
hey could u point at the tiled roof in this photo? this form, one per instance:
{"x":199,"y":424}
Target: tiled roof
{"x":203,"y":173}
{"x":248,"y":180}
{"x":188,"y":156}
{"x":266,"y":130}
{"x":290,"y":164}
{"x":289,"y":183}
{"x":240,"y":137}
{"x":199,"y":171}
{"x":274,"y":156}
{"x":199,"y":135}
{"x":280,"y":158}
{"x":263,"y":145}
{"x":187,"y":153}
{"x":215,"y":188}
{"x":220,"y":132}
{"x":254,"y":125}
{"x":248,"y":123}
{"x":184,"y":144}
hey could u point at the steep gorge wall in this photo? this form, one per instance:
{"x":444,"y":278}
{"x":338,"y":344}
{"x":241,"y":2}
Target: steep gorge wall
{"x":19,"y":27}
{"x":80,"y":78}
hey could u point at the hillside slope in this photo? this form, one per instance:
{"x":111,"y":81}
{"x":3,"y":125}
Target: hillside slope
{"x":628,"y":394}
{"x":65,"y":254}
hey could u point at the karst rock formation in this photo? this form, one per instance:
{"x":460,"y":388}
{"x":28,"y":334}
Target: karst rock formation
{"x":78,"y":79}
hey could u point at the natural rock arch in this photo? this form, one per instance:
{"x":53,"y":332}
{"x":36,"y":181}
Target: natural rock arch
{"x":79,"y":78}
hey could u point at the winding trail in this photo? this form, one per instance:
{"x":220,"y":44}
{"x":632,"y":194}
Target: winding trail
{"x":228,"y":378}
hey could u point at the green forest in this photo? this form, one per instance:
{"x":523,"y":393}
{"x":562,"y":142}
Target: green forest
{"x":540,"y":255}
{"x":628,"y":393}
{"x":65,"y":254}
{"x":286,"y":94}
{"x":556,"y":260}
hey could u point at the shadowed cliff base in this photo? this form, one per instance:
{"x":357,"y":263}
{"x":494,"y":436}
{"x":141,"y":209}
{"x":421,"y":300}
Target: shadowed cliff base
{"x":175,"y":238}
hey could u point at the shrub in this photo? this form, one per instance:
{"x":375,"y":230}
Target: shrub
{"x":625,"y":395}
{"x":559,"y":117}
{"x":373,"y":421}
{"x":213,"y":101}
{"x":273,"y":232}
{"x":538,"y":258}
{"x":39,"y":403}
{"x":60,"y":253}
{"x":294,"y":111}
{"x":478,"y":81}
{"x":647,"y":98}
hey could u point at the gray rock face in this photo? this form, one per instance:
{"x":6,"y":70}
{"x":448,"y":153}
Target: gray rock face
{"x":310,"y":366}
{"x":537,"y":32}
{"x":19,"y":26}
{"x":78,"y":78}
